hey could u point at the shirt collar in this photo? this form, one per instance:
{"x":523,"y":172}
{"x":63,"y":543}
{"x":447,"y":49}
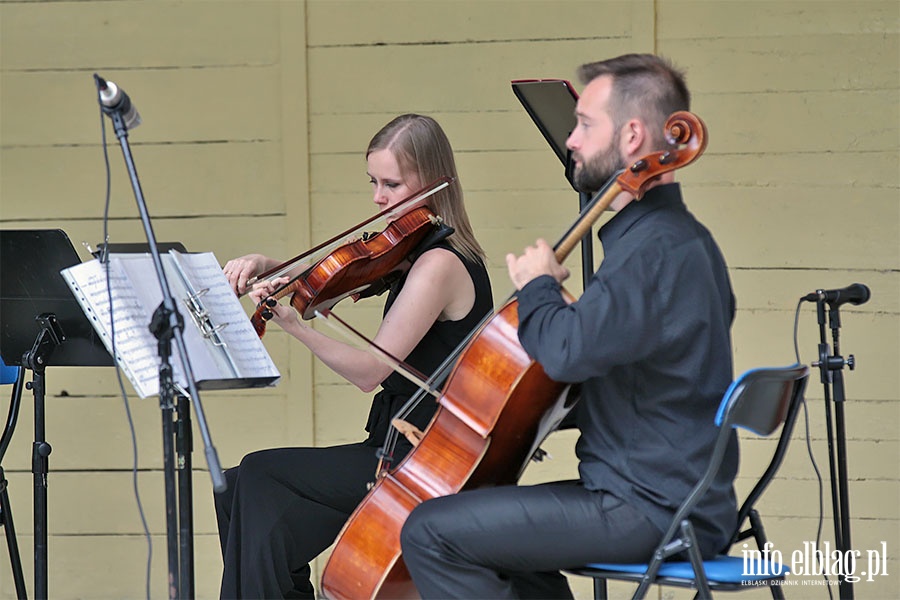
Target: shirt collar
{"x":660,"y":196}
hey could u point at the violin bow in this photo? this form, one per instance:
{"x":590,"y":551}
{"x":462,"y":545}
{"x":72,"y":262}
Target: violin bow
{"x":409,"y":203}
{"x":337,"y":324}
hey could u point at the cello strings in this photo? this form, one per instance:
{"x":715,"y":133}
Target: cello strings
{"x":439,"y":376}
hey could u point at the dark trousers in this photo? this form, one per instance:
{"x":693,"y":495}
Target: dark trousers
{"x":282,"y":508}
{"x":511,"y":542}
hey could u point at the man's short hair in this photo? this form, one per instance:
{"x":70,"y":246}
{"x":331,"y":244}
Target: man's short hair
{"x":645,"y":86}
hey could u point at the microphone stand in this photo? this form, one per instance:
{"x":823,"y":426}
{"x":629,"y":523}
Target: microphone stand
{"x":167,"y":326}
{"x":831,"y":373}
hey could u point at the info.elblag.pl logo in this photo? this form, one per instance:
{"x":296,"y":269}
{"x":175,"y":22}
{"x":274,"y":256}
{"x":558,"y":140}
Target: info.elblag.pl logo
{"x":812,"y":562}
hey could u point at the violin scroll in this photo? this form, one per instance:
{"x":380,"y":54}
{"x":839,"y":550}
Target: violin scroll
{"x":262,"y":314}
{"x":687,"y":133}
{"x":263,"y":311}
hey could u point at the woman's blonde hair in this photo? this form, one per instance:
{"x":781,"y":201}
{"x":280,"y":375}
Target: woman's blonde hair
{"x":420,"y":145}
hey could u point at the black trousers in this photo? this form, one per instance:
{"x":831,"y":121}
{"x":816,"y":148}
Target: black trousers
{"x":281,"y":509}
{"x":511,"y":542}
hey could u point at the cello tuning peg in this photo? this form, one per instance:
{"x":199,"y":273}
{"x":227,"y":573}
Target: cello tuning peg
{"x":640,"y":165}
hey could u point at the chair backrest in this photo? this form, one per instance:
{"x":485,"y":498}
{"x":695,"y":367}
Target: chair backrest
{"x":15,"y":376}
{"x":8,"y":374}
{"x":759,"y":400}
{"x":777,"y":393}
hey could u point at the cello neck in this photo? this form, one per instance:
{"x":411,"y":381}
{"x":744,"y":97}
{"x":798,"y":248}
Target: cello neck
{"x":592,"y":211}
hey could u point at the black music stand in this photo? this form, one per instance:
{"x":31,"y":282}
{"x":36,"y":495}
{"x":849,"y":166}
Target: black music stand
{"x":551,"y":105}
{"x":41,"y":325}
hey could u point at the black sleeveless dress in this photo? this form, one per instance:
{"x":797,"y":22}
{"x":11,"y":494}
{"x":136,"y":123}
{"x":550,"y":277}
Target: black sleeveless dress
{"x":442,"y":339}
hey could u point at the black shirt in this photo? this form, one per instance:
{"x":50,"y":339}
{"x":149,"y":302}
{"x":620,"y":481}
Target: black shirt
{"x":650,"y":340}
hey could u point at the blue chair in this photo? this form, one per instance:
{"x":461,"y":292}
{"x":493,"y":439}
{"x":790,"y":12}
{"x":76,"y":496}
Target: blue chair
{"x":8,"y":374}
{"x":759,"y":401}
{"x":15,"y":376}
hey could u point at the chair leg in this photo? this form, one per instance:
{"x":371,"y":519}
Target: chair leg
{"x":687,"y":533}
{"x":6,"y":522}
{"x":777,"y":592}
{"x":759,"y":535}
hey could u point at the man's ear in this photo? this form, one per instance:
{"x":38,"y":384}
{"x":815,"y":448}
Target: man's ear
{"x":634,"y":136}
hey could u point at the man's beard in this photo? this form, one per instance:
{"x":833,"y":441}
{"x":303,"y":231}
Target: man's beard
{"x":593,"y":174}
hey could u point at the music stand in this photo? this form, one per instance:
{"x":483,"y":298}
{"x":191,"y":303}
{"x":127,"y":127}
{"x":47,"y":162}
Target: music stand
{"x":551,"y":105}
{"x":180,"y":545}
{"x":41,"y":325}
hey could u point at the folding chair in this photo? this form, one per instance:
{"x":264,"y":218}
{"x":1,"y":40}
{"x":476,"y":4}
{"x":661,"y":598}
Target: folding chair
{"x":15,"y":376}
{"x":759,"y":401}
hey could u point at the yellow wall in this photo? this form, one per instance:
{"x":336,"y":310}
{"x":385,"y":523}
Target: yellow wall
{"x":256,"y":114}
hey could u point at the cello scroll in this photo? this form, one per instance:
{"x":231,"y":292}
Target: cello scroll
{"x":687,"y":134}
{"x":682,"y":129}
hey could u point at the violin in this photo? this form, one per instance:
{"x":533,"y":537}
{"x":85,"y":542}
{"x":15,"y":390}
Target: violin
{"x":496,"y":408}
{"x":363,"y":267}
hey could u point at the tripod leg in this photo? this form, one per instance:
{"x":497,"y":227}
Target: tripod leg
{"x":6,"y":520}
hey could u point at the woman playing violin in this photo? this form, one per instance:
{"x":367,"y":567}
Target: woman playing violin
{"x":283,"y":507}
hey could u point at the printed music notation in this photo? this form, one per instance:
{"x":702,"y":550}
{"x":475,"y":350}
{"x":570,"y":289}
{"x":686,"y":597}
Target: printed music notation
{"x":223,"y":348}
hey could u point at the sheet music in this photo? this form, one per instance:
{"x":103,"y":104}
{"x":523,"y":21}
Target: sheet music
{"x":196,"y":308}
{"x":135,"y":345}
{"x":136,"y":295}
{"x":246,"y":349}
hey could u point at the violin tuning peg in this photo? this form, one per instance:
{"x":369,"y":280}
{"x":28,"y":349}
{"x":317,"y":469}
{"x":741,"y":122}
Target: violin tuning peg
{"x":267,"y":314}
{"x":271,"y":302}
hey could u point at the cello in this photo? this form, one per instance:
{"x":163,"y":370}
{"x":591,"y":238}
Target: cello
{"x":496,"y":408}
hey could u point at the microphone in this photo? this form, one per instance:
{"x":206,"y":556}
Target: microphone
{"x":855,"y":293}
{"x":113,"y":98}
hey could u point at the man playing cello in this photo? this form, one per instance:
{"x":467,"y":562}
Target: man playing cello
{"x":650,"y":342}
